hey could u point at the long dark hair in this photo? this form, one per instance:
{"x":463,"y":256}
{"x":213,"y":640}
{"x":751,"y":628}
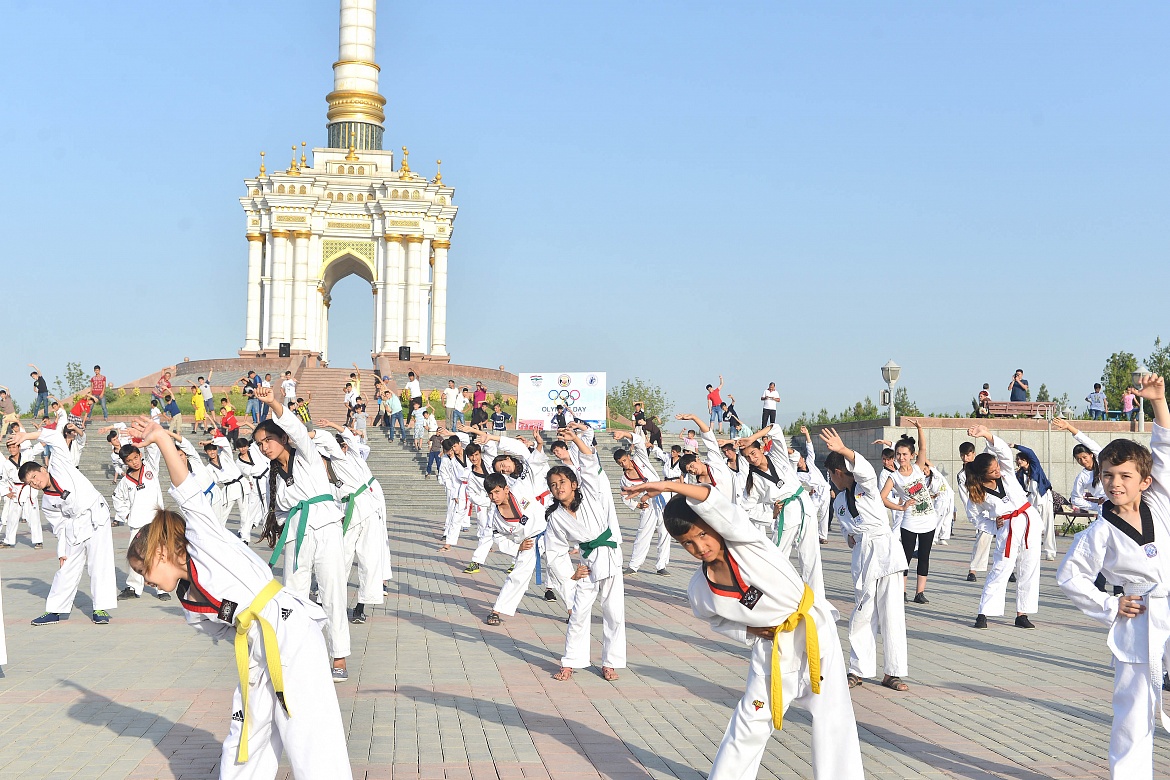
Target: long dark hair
{"x":571,"y":475}
{"x":271,"y":530}
{"x":751,"y":480}
{"x":976,"y":472}
{"x":1081,"y":449}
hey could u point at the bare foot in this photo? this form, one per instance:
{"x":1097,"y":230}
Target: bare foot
{"x":609,"y":673}
{"x":564,"y":674}
{"x":445,"y":548}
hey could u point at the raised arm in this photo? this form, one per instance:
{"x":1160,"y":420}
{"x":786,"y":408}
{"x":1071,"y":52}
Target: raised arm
{"x":153,"y":434}
{"x":921,"y":459}
{"x":702,"y":426}
{"x":265,"y":396}
{"x":833,"y":443}
{"x":1153,"y":389}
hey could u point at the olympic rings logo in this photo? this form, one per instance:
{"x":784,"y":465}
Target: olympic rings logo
{"x":564,"y":396}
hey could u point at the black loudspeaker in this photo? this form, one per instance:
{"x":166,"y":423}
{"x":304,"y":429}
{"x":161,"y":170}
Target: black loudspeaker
{"x":404,"y":353}
{"x":285,"y":349}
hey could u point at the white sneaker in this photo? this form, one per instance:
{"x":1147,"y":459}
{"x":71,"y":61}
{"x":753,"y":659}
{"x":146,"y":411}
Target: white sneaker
{"x":944,"y":542}
{"x":1050,"y":557}
{"x":340,"y":675}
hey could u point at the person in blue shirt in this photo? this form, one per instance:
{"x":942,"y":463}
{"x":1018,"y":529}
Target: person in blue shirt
{"x":1018,"y":387}
{"x":174,"y":414}
{"x":1032,"y":478}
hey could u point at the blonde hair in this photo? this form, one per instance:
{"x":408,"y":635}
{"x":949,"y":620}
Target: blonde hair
{"x":167,"y":531}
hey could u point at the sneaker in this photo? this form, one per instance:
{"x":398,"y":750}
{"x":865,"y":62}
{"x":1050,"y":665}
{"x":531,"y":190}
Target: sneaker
{"x":944,"y":543}
{"x":1012,"y":578}
{"x":115,"y":523}
{"x":127,"y":593}
{"x":38,"y":546}
{"x":340,"y":675}
{"x":164,"y":596}
{"x":47,"y":619}
{"x":513,"y":566}
{"x":472,"y":568}
{"x":101,"y":617}
{"x":549,"y":595}
{"x":1023,"y":622}
{"x":663,"y":572}
{"x":970,"y":576}
{"x":981,"y":621}
{"x":359,"y":615}
{"x":1050,"y":557}
{"x":6,"y":545}
{"x":313,"y":595}
{"x":920,"y":598}
{"x":629,"y":572}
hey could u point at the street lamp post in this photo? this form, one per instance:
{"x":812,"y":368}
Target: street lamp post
{"x":1137,"y":378}
{"x":890,"y":372}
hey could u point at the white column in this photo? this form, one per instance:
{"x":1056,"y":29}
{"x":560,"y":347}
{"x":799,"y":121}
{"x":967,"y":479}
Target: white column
{"x":300,"y":287}
{"x":325,"y":328}
{"x":266,"y":282}
{"x":413,"y":292}
{"x":252,"y":321}
{"x":313,"y":304}
{"x":392,"y":292}
{"x":278,"y":318}
{"x":439,"y":300}
{"x":379,"y":290}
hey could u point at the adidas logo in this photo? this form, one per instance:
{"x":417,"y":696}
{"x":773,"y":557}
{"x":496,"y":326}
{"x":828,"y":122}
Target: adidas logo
{"x":284,"y":613}
{"x":238,"y":715}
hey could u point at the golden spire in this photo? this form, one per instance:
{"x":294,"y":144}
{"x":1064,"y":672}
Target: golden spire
{"x":438,"y":173}
{"x":404,"y":169}
{"x":262,"y":169}
{"x":303,"y":159}
{"x":292,"y":166}
{"x":351,"y":156}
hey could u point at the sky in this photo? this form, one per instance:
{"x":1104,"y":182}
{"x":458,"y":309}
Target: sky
{"x":788,"y":192}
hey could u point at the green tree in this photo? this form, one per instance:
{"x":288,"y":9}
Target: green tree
{"x":1118,"y":375}
{"x":75,"y":378}
{"x":862,"y":410}
{"x":903,"y":406}
{"x":1042,"y":394}
{"x":1159,"y":360}
{"x":654,"y":400}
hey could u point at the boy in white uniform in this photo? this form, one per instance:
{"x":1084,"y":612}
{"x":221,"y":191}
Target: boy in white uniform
{"x":981,"y":549}
{"x":1130,"y":543}
{"x":877,"y":565}
{"x":814,"y":483}
{"x":21,"y":502}
{"x":747,"y":590}
{"x":80,"y":519}
{"x":137,"y":498}
{"x":636,"y":470}
{"x":454,"y":473}
{"x":520,"y":519}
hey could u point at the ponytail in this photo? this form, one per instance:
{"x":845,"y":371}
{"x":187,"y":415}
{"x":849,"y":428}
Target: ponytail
{"x":907,"y":442}
{"x":976,"y":472}
{"x":167,"y":531}
{"x":271,"y":530}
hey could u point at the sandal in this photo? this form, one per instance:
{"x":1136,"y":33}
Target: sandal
{"x":894,"y":684}
{"x":854,"y":680}
{"x":564,"y":674}
{"x":609,"y":673}
{"x":494,"y":619}
{"x":445,"y":548}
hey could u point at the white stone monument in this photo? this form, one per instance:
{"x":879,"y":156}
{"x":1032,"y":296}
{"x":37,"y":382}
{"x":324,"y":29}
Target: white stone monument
{"x":350,"y":212}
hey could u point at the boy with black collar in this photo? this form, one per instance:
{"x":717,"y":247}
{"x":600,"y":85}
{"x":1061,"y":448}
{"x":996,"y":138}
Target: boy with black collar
{"x":1130,"y":544}
{"x":137,"y":498}
{"x":519,"y":518}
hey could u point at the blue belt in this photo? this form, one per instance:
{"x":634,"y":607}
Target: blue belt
{"x":536,"y":546}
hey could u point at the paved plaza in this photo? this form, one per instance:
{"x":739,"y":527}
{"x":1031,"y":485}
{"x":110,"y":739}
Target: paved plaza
{"x":434,"y":693}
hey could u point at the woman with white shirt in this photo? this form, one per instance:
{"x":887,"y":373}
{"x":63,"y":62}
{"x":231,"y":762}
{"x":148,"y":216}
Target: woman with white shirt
{"x":908,"y":491}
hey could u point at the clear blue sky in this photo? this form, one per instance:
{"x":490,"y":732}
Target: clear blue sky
{"x":795,"y":192}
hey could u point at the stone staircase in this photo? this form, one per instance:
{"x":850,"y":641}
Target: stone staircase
{"x":327,"y":386}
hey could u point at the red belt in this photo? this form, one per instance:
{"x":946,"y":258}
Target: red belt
{"x":1007,"y":553}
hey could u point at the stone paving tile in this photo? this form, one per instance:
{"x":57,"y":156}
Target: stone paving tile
{"x":434,"y":694}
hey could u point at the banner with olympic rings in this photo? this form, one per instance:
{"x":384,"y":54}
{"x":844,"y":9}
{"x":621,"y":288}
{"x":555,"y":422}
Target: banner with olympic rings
{"x":582,"y":394}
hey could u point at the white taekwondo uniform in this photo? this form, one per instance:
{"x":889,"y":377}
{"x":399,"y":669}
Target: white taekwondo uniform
{"x":877,"y":565}
{"x":136,"y":501}
{"x":650,"y":517}
{"x":770,"y":593}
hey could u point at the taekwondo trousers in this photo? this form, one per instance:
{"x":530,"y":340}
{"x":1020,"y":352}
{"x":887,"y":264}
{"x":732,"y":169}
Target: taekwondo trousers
{"x":823,"y":519}
{"x":1017,"y":548}
{"x":611,"y":590}
{"x":798,"y":534}
{"x":836,"y":750}
{"x":13,"y":512}
{"x":1047,"y":526}
{"x":365,"y":542}
{"x":981,"y":550}
{"x":322,"y":553}
{"x":311,"y":732}
{"x":97,"y":554}
{"x":516,"y":583}
{"x":1135,"y":715}
{"x":649,"y":522}
{"x":880,"y":607}
{"x":135,"y":581}
{"x":251,"y":514}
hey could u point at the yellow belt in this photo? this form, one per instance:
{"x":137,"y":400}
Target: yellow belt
{"x":244,"y":621}
{"x":812,"y":646}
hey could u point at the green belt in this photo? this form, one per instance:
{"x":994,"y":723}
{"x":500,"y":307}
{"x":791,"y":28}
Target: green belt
{"x":350,"y":500}
{"x":604,"y":540}
{"x":784,"y":505}
{"x":299,"y":510}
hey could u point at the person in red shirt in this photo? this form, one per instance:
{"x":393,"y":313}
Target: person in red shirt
{"x":97,"y":388}
{"x":228,"y":421}
{"x":79,"y":414}
{"x":713,"y":402}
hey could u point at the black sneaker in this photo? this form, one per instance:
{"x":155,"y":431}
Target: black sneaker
{"x":981,"y":621}
{"x":549,"y":595}
{"x":127,"y":593}
{"x":38,"y":546}
{"x":510,"y":568}
{"x":359,"y":615}
{"x":1012,"y":578}
{"x":920,"y":598}
{"x":663,"y":572}
{"x":1023,"y":622}
{"x":164,"y":596}
{"x":472,"y":568}
{"x":970,"y":576}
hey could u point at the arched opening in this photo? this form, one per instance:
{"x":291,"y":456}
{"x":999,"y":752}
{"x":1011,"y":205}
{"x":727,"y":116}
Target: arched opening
{"x":347,"y":335}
